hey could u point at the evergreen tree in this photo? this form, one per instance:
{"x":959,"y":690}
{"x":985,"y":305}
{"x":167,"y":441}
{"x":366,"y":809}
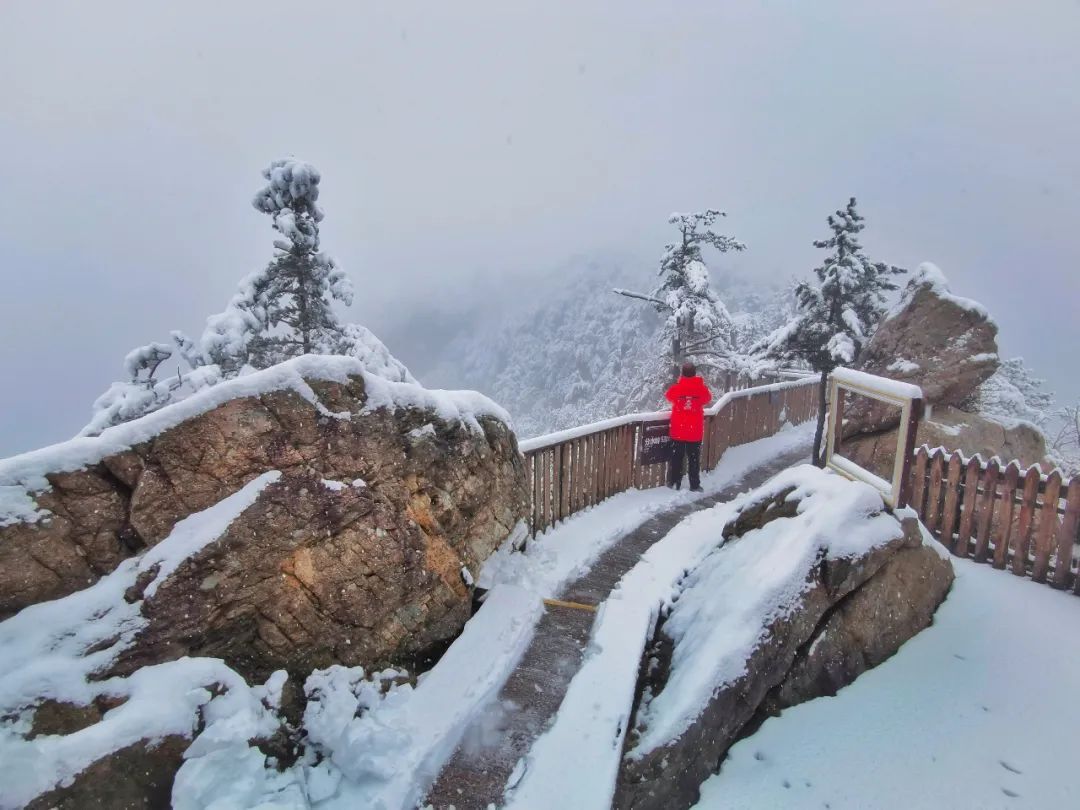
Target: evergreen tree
{"x":286,"y":309}
{"x":696,"y":322}
{"x":837,"y":315}
{"x":279,"y":312}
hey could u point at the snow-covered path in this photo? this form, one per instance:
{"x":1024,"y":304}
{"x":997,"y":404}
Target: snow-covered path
{"x":581,"y":561}
{"x":978,"y":711}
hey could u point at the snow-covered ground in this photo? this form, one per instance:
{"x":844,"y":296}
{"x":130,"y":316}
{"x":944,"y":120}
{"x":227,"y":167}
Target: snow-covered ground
{"x":977,"y":711}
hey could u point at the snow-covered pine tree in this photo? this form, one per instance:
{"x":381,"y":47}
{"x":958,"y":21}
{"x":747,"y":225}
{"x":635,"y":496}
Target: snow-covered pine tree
{"x":696,"y":322}
{"x":282,"y":311}
{"x":286,"y":309}
{"x":837,"y":315}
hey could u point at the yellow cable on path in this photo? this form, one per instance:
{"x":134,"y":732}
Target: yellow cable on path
{"x":573,"y":605}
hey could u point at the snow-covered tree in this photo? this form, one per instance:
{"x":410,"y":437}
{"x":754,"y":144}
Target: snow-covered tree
{"x":696,"y":322}
{"x":286,"y":309}
{"x":282,"y":311}
{"x":1064,"y":449}
{"x":838,"y":314}
{"x":1014,"y":394}
{"x":143,"y":391}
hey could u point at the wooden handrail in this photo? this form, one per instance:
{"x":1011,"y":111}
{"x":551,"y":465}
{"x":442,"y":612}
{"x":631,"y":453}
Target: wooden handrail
{"x":574,"y":469}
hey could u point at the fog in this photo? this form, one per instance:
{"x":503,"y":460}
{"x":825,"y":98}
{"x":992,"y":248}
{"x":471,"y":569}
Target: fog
{"x":469,"y":148}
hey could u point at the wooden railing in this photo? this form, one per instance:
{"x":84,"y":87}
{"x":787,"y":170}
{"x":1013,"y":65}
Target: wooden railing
{"x":1006,"y":516}
{"x":577,"y":468}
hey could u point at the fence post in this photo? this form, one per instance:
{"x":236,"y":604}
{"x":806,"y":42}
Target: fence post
{"x":1067,"y":536}
{"x":1048,"y":518}
{"x":986,"y":511}
{"x":933,"y":497}
{"x":952,"y":495}
{"x":914,"y":419}
{"x":971,"y":487}
{"x":917,"y":487}
{"x":1027,"y":514}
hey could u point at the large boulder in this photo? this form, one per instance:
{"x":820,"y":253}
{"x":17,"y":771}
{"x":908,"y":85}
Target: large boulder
{"x":172,"y":583}
{"x":355,"y":554}
{"x":939,"y":341}
{"x":840,"y":610}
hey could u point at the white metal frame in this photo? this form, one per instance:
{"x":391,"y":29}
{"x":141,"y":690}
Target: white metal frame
{"x":905,"y":396}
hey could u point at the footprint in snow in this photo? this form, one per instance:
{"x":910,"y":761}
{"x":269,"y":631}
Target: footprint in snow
{"x":1010,"y":793}
{"x":1010,"y":768}
{"x":961,"y":657}
{"x":786,"y":784}
{"x":759,"y":756}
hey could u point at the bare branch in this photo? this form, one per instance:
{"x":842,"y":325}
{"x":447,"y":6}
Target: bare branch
{"x":641,"y":297}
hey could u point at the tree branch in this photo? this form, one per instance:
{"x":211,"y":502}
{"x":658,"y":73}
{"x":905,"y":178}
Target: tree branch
{"x":641,"y":297}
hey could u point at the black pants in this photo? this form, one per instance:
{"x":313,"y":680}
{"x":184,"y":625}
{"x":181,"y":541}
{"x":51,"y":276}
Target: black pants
{"x":691,"y":451}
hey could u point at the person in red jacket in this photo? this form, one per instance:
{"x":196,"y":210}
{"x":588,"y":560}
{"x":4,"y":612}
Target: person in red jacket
{"x":688,"y":398}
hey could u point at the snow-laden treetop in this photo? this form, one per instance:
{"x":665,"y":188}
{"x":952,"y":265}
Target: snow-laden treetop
{"x":290,"y":198}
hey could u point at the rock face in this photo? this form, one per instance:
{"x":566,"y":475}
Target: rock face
{"x":943,"y":343}
{"x":952,"y":429}
{"x":853,"y":614}
{"x":139,"y":777}
{"x":866,"y":627}
{"x":354,"y":555}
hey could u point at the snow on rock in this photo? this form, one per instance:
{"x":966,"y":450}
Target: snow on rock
{"x":902,"y":365}
{"x":387,"y":756}
{"x":52,"y":650}
{"x":726,"y":605}
{"x":945,"y":344}
{"x":929,"y":276}
{"x":26,"y":472}
{"x":896,"y":738}
{"x":372,"y":740}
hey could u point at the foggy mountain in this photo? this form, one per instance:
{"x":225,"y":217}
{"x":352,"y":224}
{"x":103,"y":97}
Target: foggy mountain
{"x":568,"y":352}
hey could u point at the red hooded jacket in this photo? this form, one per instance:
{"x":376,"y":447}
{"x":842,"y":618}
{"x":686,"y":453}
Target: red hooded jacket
{"x":688,"y":398}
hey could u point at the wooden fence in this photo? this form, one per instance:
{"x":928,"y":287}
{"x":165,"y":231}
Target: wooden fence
{"x":575,"y":469}
{"x":1006,"y":516}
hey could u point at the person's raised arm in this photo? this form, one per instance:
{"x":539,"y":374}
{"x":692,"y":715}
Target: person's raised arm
{"x":670,"y":395}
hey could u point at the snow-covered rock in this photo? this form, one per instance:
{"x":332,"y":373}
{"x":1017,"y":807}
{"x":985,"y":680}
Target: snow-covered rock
{"x":945,"y":344}
{"x":774,"y":615}
{"x":310,"y":515}
{"x":75,"y":511}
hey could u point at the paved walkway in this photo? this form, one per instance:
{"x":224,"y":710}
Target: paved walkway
{"x":477,"y":773}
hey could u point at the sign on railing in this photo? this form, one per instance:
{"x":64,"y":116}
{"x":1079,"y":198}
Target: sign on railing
{"x":907,"y":398}
{"x":655,"y":443}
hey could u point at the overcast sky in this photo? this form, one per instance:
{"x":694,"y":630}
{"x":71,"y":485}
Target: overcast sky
{"x":464,"y":141}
